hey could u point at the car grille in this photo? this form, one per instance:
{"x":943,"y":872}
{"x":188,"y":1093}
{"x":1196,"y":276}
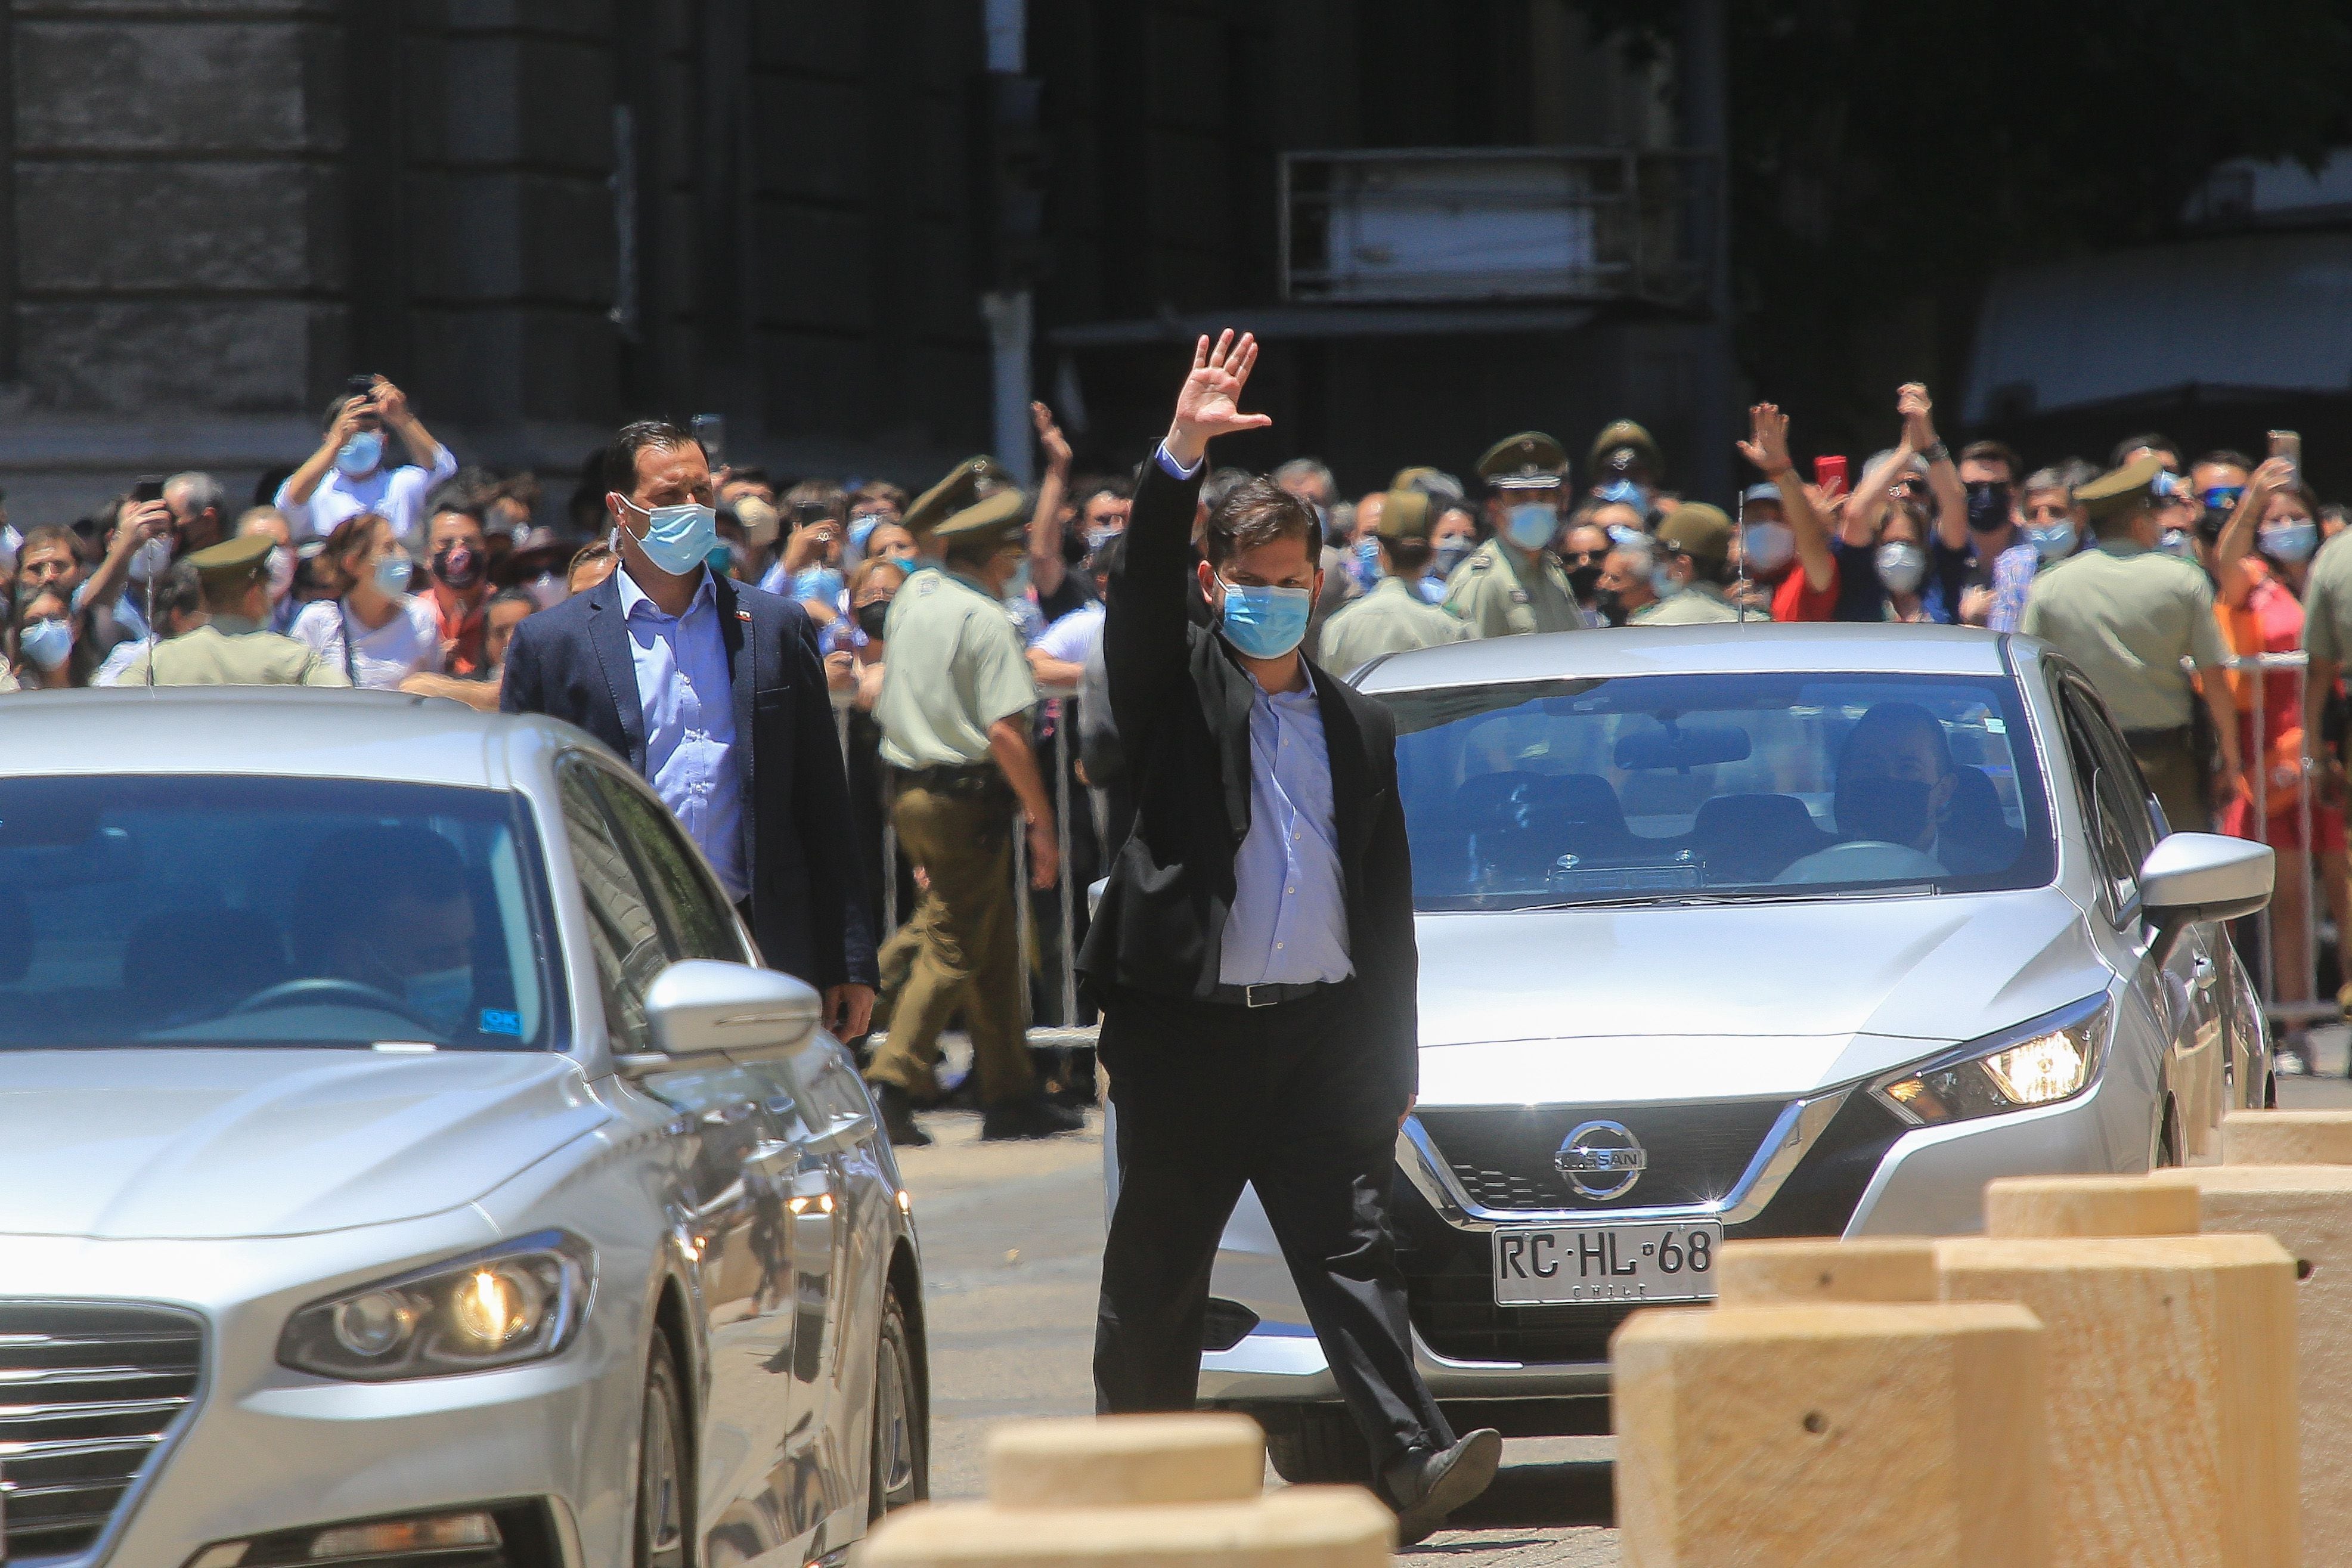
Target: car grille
{"x":1502,"y":1156}
{"x":88,"y":1393}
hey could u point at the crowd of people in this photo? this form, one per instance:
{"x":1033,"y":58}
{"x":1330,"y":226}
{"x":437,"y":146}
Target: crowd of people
{"x":379,"y":561}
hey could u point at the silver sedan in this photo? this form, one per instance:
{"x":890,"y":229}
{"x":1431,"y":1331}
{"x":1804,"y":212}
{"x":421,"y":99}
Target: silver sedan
{"x":407,"y":1161}
{"x":1750,"y":931}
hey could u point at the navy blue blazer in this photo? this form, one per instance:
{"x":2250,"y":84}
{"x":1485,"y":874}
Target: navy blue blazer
{"x":808,"y":912}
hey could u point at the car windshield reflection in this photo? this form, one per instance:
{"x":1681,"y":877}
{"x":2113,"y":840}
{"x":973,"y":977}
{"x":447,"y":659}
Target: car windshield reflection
{"x":220,"y":910}
{"x":1707,"y":787}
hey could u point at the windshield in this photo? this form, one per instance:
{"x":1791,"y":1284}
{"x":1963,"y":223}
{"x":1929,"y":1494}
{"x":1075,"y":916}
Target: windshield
{"x":1718,"y":787}
{"x":203,"y":911}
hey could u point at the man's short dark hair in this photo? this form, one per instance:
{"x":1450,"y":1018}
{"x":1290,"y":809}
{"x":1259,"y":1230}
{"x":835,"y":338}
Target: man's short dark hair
{"x":1222,"y":483}
{"x":824,"y":494}
{"x":511,"y":596}
{"x":1111,"y":485}
{"x":180,"y":591}
{"x":1257,"y":512}
{"x":1409,"y":557}
{"x":455,"y":496}
{"x":2225,"y":455}
{"x":51,"y":533}
{"x":1899,"y":718}
{"x":2151,"y":440}
{"x":621,"y":457}
{"x":1994,"y":452}
{"x":752,"y":473}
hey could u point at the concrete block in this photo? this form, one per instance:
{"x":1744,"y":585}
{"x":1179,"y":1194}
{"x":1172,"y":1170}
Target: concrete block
{"x":1123,"y":1461}
{"x":2307,"y":1209}
{"x":2287,"y":1138}
{"x":2172,"y":1378}
{"x":244,"y":227}
{"x":224,"y":356}
{"x":1832,"y":1435}
{"x":2020,"y":1207}
{"x":1808,"y":1268}
{"x":149,"y":85}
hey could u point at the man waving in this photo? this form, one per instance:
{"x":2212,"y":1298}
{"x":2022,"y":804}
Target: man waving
{"x":1258,"y":931}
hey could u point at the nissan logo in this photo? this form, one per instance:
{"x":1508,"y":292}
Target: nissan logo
{"x":1601,"y":1160}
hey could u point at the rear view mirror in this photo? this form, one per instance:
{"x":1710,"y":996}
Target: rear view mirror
{"x":1683,"y":747}
{"x":702,"y":1007}
{"x":2191,"y":878}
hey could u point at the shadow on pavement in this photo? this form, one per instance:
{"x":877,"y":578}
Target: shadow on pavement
{"x":1578,"y":1492}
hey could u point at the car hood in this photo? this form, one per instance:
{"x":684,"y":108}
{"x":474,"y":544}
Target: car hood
{"x":214,"y":1143}
{"x":1716,"y":1001}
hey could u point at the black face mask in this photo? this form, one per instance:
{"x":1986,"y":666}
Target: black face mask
{"x":1988,"y":506}
{"x":1583,"y":580}
{"x":458,"y":565}
{"x":870,"y":617}
{"x":1892,"y":811}
{"x":1611,"y":605}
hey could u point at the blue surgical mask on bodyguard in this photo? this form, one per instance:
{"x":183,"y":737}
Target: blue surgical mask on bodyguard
{"x":1265,"y":623}
{"x":677,"y":538}
{"x":1531,"y":524}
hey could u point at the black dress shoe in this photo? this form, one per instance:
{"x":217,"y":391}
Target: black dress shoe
{"x":899,"y":1116}
{"x":1033,"y":1117}
{"x":1424,"y":1487}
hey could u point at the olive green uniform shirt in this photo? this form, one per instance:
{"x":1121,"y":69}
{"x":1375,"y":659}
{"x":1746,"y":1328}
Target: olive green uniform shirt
{"x":1392,"y":618}
{"x":953,"y":665}
{"x":2128,"y":616}
{"x":1697,"y":604}
{"x":2327,"y":602}
{"x":1487,"y":594}
{"x":221,"y":652}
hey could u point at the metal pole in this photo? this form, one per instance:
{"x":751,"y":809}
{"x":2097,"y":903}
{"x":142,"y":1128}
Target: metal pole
{"x":1069,"y":705}
{"x":2265,"y":941}
{"x":1008,"y":313}
{"x":2314,"y":888}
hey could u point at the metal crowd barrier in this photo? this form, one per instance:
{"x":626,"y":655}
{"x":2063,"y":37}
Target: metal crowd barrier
{"x":1061,"y":704}
{"x":2310,"y":1007}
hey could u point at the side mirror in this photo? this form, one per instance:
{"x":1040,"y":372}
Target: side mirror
{"x":700,"y":1007}
{"x":2191,"y":878}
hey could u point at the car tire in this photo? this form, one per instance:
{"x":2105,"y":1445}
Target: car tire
{"x":665,"y":1523}
{"x":901,"y":1465}
{"x":1312,"y":1445}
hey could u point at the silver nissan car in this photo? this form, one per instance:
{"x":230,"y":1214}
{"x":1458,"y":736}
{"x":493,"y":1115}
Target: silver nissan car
{"x":1753,"y":931}
{"x":404,"y":1162}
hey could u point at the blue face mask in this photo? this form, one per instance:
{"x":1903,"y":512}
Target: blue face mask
{"x":677,"y":538}
{"x":861,"y":528}
{"x":1450,"y":554}
{"x":441,"y":997}
{"x":1627,"y":491}
{"x":2054,"y":543}
{"x":392,"y":573}
{"x":357,"y":457}
{"x":1265,"y":623}
{"x":1663,"y":583}
{"x":2176,"y":542}
{"x":1530,"y":524}
{"x":2293,"y":540}
{"x":45,"y":643}
{"x":1366,"y":567}
{"x":820,"y":583}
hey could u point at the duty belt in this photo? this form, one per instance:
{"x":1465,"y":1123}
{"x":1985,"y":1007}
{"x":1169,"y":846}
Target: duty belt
{"x":970,"y":778}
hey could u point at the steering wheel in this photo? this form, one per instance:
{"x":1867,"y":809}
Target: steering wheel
{"x":1834,"y":862}
{"x":319,"y":987}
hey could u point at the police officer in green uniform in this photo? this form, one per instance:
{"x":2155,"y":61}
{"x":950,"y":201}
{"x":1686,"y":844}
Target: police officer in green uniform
{"x":1695,"y":550}
{"x":954,"y":713}
{"x":1510,"y":583}
{"x":1392,"y":617}
{"x":231,"y":648}
{"x":2128,"y":615}
{"x":967,"y":485}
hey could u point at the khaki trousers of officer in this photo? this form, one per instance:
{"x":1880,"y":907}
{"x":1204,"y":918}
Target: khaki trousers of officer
{"x":2176,"y":776}
{"x":968,"y":954}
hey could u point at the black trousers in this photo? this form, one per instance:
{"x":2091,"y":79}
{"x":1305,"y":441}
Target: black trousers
{"x":1211,"y":1098}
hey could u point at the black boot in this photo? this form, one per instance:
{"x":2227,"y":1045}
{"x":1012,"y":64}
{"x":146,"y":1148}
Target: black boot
{"x":1424,"y":1487}
{"x":1036,"y":1117}
{"x":899,"y":1116}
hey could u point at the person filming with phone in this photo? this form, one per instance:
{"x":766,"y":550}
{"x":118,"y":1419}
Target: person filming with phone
{"x":1254,"y":957}
{"x":351,"y":471}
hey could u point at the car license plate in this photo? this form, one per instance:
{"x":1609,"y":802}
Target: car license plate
{"x":1549,"y":1265}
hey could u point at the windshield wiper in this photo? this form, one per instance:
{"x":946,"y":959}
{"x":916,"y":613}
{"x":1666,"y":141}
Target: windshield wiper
{"x":1635,"y":900}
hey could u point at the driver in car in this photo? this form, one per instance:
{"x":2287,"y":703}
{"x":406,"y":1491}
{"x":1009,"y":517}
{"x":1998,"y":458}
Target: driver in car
{"x":390,"y":912}
{"x":1896,"y":790}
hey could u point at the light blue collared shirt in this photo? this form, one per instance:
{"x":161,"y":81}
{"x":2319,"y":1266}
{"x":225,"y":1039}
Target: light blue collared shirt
{"x":689,"y":699}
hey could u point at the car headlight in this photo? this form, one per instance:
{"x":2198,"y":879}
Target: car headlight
{"x":2040,"y":1062}
{"x":514,"y":1303}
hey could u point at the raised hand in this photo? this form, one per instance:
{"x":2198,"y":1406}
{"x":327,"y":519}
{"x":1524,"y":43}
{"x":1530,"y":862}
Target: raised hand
{"x":390,"y":402}
{"x":1767,"y":446}
{"x":1209,"y":405}
{"x":1050,"y":436}
{"x":1919,"y":423}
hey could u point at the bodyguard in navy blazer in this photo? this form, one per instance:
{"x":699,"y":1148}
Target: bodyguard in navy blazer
{"x":576,"y":662}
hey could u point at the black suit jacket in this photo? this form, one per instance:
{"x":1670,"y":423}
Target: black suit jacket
{"x":808,"y":911}
{"x":1182,"y":707}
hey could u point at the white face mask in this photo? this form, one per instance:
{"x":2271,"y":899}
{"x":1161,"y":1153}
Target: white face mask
{"x":281,"y":571}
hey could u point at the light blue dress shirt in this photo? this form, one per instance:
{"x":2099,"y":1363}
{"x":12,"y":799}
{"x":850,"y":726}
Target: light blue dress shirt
{"x":689,"y":699}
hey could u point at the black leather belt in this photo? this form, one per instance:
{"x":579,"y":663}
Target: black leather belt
{"x":1268,"y":994}
{"x":978,"y":778}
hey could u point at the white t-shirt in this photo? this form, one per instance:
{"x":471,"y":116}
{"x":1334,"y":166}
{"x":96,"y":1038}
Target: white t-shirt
{"x":379,"y":659}
{"x":396,"y":494}
{"x":1073,"y":636}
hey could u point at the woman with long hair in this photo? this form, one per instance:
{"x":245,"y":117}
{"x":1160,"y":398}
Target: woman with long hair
{"x":374,"y":630}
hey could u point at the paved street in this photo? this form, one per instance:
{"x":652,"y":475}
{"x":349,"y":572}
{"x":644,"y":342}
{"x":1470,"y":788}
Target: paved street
{"x":1012,"y":1243}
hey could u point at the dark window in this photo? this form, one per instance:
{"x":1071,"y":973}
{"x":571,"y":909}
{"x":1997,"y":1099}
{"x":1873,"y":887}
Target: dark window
{"x":695,"y":910}
{"x":622,"y":929}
